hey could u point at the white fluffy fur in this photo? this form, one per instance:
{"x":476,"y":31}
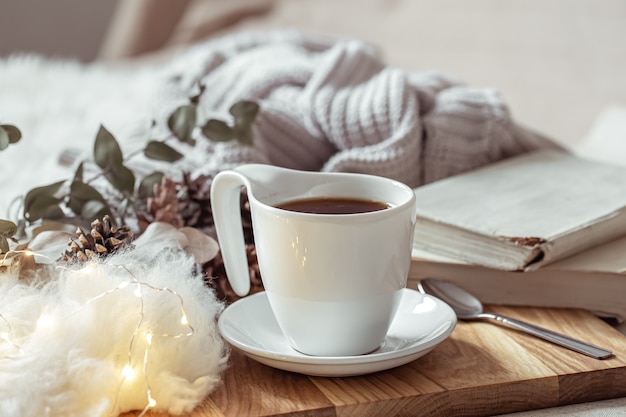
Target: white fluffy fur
{"x":59,"y":105}
{"x":72,"y":367}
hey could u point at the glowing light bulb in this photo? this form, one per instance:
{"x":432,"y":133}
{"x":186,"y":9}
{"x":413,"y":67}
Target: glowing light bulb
{"x":151,"y":402}
{"x":5,"y":336}
{"x":123,"y":285}
{"x":128,"y":372}
{"x":184,"y":320}
{"x":137,"y":291}
{"x":149,"y":338}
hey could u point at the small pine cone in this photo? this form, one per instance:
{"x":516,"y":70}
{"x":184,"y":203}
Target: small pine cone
{"x":215,"y":275}
{"x":165,"y":206}
{"x":197,"y":212}
{"x":104,"y":239}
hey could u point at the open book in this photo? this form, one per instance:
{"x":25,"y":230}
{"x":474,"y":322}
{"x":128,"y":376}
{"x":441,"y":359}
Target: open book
{"x":523,"y":212}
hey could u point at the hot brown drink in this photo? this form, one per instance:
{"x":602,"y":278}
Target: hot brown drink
{"x":333,"y":206}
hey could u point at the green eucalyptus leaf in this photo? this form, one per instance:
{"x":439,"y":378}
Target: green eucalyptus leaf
{"x":146,"y":186}
{"x":39,"y":199}
{"x":182,"y":122}
{"x":78,"y":174}
{"x":82,"y":194}
{"x":13,"y":132}
{"x":243,"y":134}
{"x":45,"y":207}
{"x":218,"y":131}
{"x":4,"y":139}
{"x":8,"y":229}
{"x":244,"y":112}
{"x":122,"y":179}
{"x":95,"y":209}
{"x":160,"y":151}
{"x":107,"y":153}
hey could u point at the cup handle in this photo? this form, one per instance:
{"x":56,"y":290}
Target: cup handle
{"x":225,"y":204}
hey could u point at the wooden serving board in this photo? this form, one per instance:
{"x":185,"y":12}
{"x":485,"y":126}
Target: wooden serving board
{"x":482,"y":369}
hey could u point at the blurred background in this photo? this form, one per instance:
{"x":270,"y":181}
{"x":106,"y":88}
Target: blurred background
{"x":557,"y":62}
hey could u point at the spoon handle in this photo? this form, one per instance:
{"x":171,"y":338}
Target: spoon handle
{"x":554,"y":337}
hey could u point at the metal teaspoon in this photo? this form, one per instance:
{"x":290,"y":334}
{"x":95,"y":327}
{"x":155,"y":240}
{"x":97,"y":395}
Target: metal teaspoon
{"x":468,"y":307}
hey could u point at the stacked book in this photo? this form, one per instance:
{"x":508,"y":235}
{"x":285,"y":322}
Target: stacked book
{"x":544,"y":229}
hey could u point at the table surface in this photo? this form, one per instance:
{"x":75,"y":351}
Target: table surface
{"x":482,"y":369}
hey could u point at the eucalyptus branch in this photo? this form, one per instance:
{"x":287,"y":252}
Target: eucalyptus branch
{"x":81,"y":202}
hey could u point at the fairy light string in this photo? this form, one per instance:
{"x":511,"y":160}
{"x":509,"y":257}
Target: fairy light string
{"x":128,"y":371}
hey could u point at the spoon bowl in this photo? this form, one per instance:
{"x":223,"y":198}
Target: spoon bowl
{"x":468,"y":307}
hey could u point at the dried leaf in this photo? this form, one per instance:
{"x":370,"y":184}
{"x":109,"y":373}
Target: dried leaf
{"x":4,"y":245}
{"x":160,"y":151}
{"x":107,"y":153}
{"x":146,"y":186}
{"x":50,"y":244}
{"x":201,"y":246}
{"x":218,"y":131}
{"x":163,"y":233}
{"x":8,"y":229}
{"x":182,"y":122}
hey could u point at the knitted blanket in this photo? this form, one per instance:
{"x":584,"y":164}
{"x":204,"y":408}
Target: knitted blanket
{"x":333,"y":105}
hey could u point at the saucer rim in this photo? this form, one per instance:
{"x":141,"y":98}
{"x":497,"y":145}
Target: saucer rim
{"x":297,"y":358}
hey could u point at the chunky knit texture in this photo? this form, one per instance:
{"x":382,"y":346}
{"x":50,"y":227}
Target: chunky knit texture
{"x":333,"y":105}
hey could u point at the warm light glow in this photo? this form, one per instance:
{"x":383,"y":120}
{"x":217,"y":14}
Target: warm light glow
{"x":45,"y":320}
{"x":128,"y":372}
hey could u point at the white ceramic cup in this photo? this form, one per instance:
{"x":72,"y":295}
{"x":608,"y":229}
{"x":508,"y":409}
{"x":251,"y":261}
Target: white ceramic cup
{"x":334,"y":282}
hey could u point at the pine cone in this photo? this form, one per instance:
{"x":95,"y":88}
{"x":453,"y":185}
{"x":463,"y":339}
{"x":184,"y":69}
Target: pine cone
{"x":215,"y":275}
{"x":104,"y":239}
{"x":165,"y":206}
{"x":197,"y":212}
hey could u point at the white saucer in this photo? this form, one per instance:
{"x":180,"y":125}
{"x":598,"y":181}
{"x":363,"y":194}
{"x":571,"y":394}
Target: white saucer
{"x":422,"y":322}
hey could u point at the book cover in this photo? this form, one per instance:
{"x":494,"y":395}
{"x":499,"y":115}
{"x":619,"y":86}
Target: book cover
{"x":523,"y":212}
